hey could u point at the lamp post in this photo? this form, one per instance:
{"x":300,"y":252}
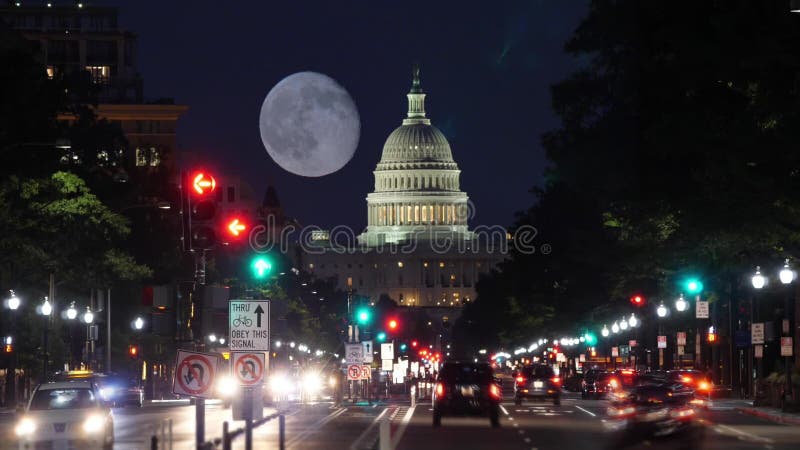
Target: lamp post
{"x":45,"y":309}
{"x":661,"y":312}
{"x":758,"y":281}
{"x":12,"y":303}
{"x":787,"y":276}
{"x":88,"y":319}
{"x":71,"y":314}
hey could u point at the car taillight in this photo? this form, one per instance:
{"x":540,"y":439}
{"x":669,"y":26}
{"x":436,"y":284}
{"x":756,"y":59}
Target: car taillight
{"x":685,"y":379}
{"x":520,"y":380}
{"x":439,"y":389}
{"x":555,"y":380}
{"x":613,"y":383}
{"x":704,"y":385}
{"x":621,"y":412}
{"x":494,"y":391}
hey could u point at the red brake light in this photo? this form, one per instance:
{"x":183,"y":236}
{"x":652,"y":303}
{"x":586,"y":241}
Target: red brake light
{"x":555,"y":380}
{"x":627,"y":372}
{"x":613,"y":383}
{"x":686,"y":379}
{"x":520,"y":379}
{"x":439,"y":389}
{"x":494,"y":391}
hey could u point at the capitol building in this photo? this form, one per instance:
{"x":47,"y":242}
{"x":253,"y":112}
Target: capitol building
{"x":417,"y":248}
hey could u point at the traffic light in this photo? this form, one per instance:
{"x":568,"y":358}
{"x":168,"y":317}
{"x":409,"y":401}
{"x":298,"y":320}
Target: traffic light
{"x":414,"y":343}
{"x":133,"y":351}
{"x":202,"y":210}
{"x":403,"y":347}
{"x":392,"y":324}
{"x":235,"y":229}
{"x":363,"y":316}
{"x":260,"y":267}
{"x":637,"y":301}
{"x":693,"y":285}
{"x":590,"y":339}
{"x":381,"y":336}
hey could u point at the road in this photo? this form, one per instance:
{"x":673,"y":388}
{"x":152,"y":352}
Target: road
{"x":576,"y":424}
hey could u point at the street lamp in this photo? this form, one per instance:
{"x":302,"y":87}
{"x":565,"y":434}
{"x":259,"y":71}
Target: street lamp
{"x":615,"y":328}
{"x":72,"y":313}
{"x":623,"y":324}
{"x":633,"y":321}
{"x":786,"y":274}
{"x":661,"y":310}
{"x":604,"y":331}
{"x":47,"y":307}
{"x":681,"y":304}
{"x":88,"y":316}
{"x":758,"y":280}
{"x":13,"y":302}
{"x":138,"y":323}
{"x":212,"y":337}
{"x":222,"y":341}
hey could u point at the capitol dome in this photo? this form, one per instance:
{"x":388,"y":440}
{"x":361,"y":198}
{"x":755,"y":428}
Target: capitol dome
{"x":416,"y":181}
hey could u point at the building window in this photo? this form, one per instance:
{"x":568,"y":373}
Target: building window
{"x":231,"y":194}
{"x":99,"y":74}
{"x":441,"y":264}
{"x":141,"y":157}
{"x":51,"y":72}
{"x":155,"y":157}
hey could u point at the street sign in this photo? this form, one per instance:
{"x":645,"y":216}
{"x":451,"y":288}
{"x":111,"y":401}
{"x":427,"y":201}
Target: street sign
{"x":248,"y":325}
{"x":757,"y":333}
{"x":785,"y":326}
{"x":387,"y":350}
{"x":354,"y":354}
{"x":353,"y":372}
{"x":249,"y":367}
{"x":386,"y":365}
{"x":662,"y":342}
{"x":368,"y":356}
{"x":758,"y":351}
{"x":786,"y":346}
{"x":366,"y":372}
{"x":681,"y":338}
{"x":614,"y":351}
{"x":632,"y":343}
{"x":195,"y":374}
{"x":701,"y":310}
{"x":582,"y":357}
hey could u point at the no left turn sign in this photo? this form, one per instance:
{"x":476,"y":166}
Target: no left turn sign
{"x":248,"y":367}
{"x":195,"y":374}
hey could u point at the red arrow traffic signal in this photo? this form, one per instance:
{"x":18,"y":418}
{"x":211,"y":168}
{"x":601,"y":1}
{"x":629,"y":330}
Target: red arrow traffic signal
{"x":203,"y":183}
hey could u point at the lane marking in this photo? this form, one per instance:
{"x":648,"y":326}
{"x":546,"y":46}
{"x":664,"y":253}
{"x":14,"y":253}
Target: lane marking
{"x":403,"y":424}
{"x":505,"y":411}
{"x":586,"y":411}
{"x":315,"y":426}
{"x":355,"y":445}
{"x":745,"y":434}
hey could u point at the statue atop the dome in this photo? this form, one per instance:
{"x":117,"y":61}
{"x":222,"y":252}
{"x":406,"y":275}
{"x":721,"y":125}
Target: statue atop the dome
{"x":415,"y":83}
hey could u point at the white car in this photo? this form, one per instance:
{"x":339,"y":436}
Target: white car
{"x":66,"y":415}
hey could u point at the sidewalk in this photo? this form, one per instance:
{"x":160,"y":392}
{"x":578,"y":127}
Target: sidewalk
{"x":763,"y":412}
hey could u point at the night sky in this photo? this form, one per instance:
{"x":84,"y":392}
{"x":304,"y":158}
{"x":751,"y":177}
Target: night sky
{"x":486,"y":68}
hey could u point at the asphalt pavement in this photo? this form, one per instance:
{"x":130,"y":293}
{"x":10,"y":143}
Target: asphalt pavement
{"x":575,"y":424}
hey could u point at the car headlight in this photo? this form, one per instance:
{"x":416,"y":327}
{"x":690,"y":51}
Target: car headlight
{"x":93,"y":423}
{"x":25,"y":427}
{"x":280,"y":384}
{"x":226,"y":386}
{"x":312,"y":382}
{"x":106,"y":392}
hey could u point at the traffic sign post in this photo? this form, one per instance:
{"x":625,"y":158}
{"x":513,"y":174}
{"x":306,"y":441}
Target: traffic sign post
{"x":194,"y":375}
{"x":248,"y":325}
{"x":353,"y":372}
{"x":387,"y":350}
{"x":368,"y":356}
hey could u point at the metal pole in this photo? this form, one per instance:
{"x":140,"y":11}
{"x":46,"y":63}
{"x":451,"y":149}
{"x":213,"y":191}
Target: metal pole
{"x":46,"y":356}
{"x":788,"y":363}
{"x":170,"y":432}
{"x":247,"y":406}
{"x":200,"y":421}
{"x":108,"y":330}
{"x":282,"y":432}
{"x":226,"y":441}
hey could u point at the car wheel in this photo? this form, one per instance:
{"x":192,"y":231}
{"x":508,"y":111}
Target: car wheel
{"x":437,"y":419}
{"x":557,"y":401}
{"x":494,"y":418}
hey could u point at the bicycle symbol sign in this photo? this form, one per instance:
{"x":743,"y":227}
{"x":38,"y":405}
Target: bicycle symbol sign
{"x":249,"y":325}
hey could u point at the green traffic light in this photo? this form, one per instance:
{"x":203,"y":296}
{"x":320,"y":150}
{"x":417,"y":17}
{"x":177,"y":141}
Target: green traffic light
{"x":362,"y":316}
{"x":381,"y":336}
{"x":403,"y":347}
{"x":693,"y":286}
{"x":261,"y":267}
{"x":590,"y":339}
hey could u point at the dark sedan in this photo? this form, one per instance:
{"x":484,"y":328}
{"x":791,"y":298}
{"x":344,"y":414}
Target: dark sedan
{"x":539,"y":382}
{"x":466,"y":388}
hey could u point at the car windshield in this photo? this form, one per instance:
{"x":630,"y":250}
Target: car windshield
{"x":466,"y":373}
{"x":47,"y":399}
{"x":538,"y":372}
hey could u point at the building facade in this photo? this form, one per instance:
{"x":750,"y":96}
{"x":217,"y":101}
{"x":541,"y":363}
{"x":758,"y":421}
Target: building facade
{"x":417,"y":248}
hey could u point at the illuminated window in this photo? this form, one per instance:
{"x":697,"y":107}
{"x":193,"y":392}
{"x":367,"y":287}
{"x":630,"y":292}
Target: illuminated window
{"x":441,"y":264}
{"x":141,"y":157}
{"x":155,"y":157}
{"x":99,"y":74}
{"x":51,"y":72}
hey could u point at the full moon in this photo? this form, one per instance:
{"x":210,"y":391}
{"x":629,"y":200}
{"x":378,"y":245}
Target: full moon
{"x":309,"y":124}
